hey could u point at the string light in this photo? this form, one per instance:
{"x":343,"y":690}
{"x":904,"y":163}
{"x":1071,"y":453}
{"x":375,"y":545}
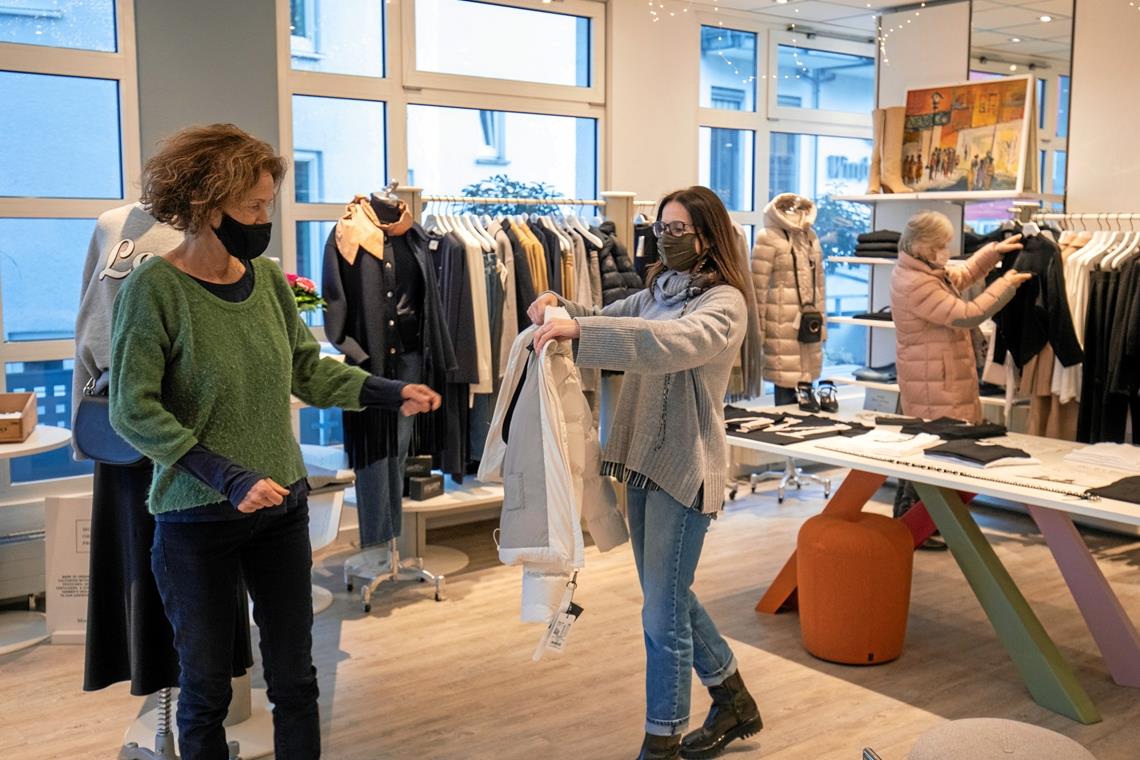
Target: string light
{"x":657,"y":10}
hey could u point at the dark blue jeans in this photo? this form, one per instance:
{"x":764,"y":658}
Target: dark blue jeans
{"x":198,"y":567}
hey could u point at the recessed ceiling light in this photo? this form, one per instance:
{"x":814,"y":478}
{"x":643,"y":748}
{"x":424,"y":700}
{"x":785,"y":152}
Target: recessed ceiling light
{"x":1013,"y":67}
{"x":1046,"y":19}
{"x":781,"y":2}
{"x":1015,"y":39}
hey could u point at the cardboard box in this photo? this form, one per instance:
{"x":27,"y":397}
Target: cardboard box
{"x":17,"y":430}
{"x":422,"y":489}
{"x":417,"y":467}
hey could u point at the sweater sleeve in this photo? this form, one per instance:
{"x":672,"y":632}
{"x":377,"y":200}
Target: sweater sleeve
{"x":650,"y":346}
{"x":626,"y":307}
{"x":319,"y":381}
{"x":140,"y":345}
{"x":941,"y":307}
{"x":336,"y":308}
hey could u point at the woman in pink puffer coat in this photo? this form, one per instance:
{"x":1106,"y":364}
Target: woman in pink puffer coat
{"x":935,"y":358}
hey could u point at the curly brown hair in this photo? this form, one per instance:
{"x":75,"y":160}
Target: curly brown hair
{"x":201,"y":169}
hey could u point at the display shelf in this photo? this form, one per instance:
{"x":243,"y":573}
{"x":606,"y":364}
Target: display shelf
{"x":862,"y":260}
{"x":958,"y":197}
{"x":894,"y":388}
{"x":882,"y":323}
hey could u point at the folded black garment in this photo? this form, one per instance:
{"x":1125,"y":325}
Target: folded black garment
{"x":883,"y":315}
{"x":956,"y":430}
{"x":862,"y":254}
{"x":1125,"y":489}
{"x":989,"y":389}
{"x":885,"y":374}
{"x":899,"y":421}
{"x":973,"y":452}
{"x":877,"y":247}
{"x":880,"y":236}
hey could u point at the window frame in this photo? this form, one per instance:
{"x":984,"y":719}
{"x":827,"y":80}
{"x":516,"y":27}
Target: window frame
{"x":120,"y":66}
{"x":776,"y":111}
{"x":417,"y":79}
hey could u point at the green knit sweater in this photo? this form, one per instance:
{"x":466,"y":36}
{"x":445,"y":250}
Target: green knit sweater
{"x":188,"y":367}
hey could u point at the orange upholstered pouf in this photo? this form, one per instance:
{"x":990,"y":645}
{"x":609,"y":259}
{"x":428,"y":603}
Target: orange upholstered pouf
{"x":853,"y":576}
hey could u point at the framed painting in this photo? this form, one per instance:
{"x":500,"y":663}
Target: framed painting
{"x":969,"y":138}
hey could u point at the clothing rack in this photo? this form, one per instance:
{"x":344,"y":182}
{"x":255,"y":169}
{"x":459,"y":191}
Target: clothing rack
{"x":1100,"y":220}
{"x":512,"y":201}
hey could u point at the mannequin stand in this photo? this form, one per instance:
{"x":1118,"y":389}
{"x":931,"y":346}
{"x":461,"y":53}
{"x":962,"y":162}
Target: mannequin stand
{"x":790,"y":476}
{"x":367,"y":566}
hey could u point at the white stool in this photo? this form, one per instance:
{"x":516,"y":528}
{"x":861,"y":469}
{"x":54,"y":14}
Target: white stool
{"x":329,"y":476}
{"x":995,"y":739}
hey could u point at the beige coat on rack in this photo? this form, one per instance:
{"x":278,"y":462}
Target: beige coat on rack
{"x":788,"y":221}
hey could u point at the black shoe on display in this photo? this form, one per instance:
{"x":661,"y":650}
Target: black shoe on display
{"x":733,"y":715}
{"x":805,"y":395}
{"x":828,"y":396}
{"x":660,"y":747}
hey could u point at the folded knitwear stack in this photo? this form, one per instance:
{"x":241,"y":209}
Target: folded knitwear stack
{"x":880,"y":244}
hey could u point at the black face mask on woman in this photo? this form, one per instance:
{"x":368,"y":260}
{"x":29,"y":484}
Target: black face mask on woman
{"x":243,"y":241}
{"x":678,"y":252}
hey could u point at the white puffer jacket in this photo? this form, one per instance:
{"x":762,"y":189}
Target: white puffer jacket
{"x":550,"y":464}
{"x":788,"y":222}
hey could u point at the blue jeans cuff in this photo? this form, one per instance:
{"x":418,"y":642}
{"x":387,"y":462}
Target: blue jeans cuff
{"x":719,"y":677}
{"x":666,"y":727}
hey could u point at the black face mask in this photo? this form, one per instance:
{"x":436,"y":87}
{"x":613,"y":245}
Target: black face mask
{"x":243,"y":241}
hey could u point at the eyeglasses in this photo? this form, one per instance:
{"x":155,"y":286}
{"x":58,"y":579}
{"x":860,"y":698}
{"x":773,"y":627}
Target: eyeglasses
{"x":676,"y":229}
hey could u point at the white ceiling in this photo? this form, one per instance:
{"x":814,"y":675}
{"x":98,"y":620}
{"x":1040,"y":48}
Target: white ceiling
{"x":995,"y":22}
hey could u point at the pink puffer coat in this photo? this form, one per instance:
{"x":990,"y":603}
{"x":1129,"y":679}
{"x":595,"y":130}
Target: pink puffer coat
{"x":937,"y":373}
{"x":787,"y":221}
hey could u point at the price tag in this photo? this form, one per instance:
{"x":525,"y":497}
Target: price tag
{"x":559,"y":628}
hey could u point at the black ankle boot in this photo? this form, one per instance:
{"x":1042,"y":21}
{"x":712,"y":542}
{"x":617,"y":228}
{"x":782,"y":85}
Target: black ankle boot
{"x":660,"y":748}
{"x":733,"y":715}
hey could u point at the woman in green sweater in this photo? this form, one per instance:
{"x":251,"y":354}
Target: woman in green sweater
{"x":207,"y":347}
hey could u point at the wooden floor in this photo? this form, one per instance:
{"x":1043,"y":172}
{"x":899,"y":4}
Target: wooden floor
{"x":417,"y":679}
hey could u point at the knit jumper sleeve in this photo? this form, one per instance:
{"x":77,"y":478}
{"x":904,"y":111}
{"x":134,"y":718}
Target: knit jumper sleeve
{"x":142,"y":333}
{"x":626,"y":307}
{"x":663,"y":346}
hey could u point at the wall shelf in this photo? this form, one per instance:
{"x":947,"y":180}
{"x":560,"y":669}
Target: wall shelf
{"x":881,"y":323}
{"x":862,"y":260}
{"x":959,"y":197}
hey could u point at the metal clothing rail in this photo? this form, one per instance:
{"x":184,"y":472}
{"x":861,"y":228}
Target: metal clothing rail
{"x":513,"y":201}
{"x":1105,"y":220}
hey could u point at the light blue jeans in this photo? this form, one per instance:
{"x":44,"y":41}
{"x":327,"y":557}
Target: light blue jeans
{"x":680,"y":636}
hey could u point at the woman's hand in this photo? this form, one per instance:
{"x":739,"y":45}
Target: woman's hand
{"x":1017,"y":278}
{"x":418,"y":399}
{"x":555,"y":329}
{"x":265,"y":493}
{"x":1009,"y":245}
{"x":537,"y":310}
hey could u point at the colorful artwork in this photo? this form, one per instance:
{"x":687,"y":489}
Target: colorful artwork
{"x":968,"y":137}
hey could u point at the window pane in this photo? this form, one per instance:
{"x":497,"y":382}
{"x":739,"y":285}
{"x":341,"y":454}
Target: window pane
{"x":483,"y":40}
{"x":338,"y":147}
{"x":41,"y":266}
{"x":311,"y":237}
{"x":728,"y":69}
{"x":1062,"y":106}
{"x":1041,"y":98}
{"x":1059,"y":158}
{"x":78,"y":24}
{"x":825,"y":81}
{"x":51,"y":382}
{"x":338,"y":37}
{"x":727,"y":161}
{"x":452,"y":149}
{"x":818,"y":168}
{"x":41,"y":153}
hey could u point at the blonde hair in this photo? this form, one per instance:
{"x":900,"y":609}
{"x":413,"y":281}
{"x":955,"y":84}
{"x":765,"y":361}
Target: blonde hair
{"x":925,"y":232}
{"x":199,"y":170}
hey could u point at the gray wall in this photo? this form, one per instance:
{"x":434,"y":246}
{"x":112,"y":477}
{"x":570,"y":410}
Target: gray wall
{"x":207,"y":61}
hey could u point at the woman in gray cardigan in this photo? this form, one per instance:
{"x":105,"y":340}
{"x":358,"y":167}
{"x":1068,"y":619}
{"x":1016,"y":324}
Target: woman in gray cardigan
{"x":676,"y":341}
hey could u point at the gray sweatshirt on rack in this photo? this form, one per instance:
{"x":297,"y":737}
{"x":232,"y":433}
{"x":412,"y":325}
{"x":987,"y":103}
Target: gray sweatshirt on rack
{"x":669,"y":421}
{"x":124,"y":238}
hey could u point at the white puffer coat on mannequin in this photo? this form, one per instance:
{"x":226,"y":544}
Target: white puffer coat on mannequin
{"x":788,"y":221}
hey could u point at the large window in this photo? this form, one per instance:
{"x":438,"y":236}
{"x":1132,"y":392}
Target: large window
{"x":477,"y":39}
{"x":336,"y":37}
{"x":448,"y":148}
{"x":338,"y":148}
{"x":820,"y":167}
{"x":69,"y":150}
{"x":728,"y":69}
{"x":832,"y":82}
{"x":727,"y":161}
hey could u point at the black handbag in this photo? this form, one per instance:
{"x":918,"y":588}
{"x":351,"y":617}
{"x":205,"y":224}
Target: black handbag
{"x":93,"y":435}
{"x":811,"y":319}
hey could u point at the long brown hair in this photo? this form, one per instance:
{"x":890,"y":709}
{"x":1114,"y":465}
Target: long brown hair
{"x":717,"y":235}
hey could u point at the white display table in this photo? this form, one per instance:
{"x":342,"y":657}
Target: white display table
{"x":20,"y":630}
